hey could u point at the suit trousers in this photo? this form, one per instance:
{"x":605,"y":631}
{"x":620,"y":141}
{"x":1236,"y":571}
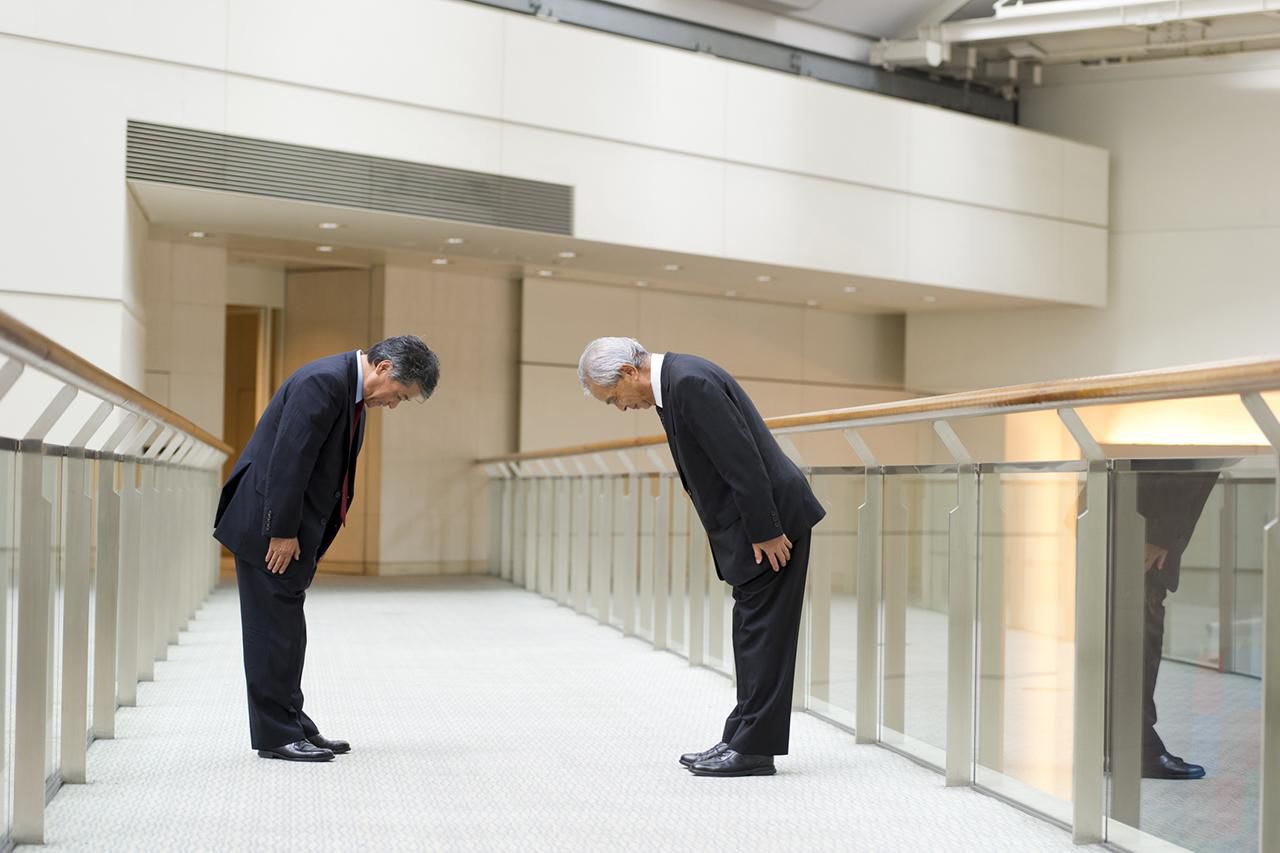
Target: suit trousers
{"x":274,"y":631}
{"x":766,"y":630}
{"x":1152,"y":650}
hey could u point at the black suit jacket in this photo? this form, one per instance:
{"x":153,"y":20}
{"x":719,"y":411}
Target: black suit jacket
{"x":743,"y":486}
{"x":288,"y":480}
{"x":1171,"y":503}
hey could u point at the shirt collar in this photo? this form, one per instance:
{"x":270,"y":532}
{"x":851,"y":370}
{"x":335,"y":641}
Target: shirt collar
{"x":655,"y":377}
{"x":359,"y":376}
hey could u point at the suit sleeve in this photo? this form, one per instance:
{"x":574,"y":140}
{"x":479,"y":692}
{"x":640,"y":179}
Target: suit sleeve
{"x":309,"y":415}
{"x":1172,"y":505}
{"x":721,"y":431}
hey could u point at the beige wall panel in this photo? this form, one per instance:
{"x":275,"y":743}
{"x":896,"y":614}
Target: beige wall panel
{"x":853,"y":348}
{"x":434,"y":501}
{"x":328,"y":312}
{"x":746,"y":338}
{"x":561,"y":317}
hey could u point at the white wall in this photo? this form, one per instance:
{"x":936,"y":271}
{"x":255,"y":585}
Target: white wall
{"x":1195,"y":231}
{"x":666,"y":148}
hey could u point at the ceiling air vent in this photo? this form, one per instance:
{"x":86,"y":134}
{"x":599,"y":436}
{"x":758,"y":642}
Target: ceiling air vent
{"x":237,"y":164}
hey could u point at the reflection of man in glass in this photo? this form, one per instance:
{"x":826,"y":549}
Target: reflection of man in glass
{"x":1171,"y":503}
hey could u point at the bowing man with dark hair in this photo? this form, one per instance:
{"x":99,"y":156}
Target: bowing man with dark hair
{"x":282,"y":506}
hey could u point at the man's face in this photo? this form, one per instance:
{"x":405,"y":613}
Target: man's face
{"x":631,"y":392}
{"x":381,"y":391}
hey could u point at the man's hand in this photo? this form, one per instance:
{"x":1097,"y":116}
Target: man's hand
{"x":280,"y":553}
{"x":778,"y":549}
{"x":1154,"y":557}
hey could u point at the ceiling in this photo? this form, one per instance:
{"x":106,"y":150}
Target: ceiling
{"x":1094,"y":32}
{"x":276,"y":232}
{"x":873,"y":18}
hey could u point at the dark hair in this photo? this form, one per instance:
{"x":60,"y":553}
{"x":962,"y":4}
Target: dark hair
{"x":412,"y":362}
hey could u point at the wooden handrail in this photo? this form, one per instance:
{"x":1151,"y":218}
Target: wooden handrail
{"x":1228,"y":377}
{"x":26,"y":344}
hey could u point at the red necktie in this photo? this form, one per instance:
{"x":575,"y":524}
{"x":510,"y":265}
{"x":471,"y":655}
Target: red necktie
{"x":346,"y":475}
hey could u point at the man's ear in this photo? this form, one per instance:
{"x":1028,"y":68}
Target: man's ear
{"x":628,"y":369}
{"x":383,"y":366}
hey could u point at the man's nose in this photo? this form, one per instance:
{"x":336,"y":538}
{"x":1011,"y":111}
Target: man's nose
{"x":393,"y":404}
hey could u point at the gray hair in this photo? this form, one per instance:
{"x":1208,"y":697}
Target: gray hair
{"x":602,"y":359}
{"x":412,"y":362}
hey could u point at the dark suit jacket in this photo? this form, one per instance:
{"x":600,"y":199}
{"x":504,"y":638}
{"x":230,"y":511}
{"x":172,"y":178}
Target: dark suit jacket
{"x":288,"y":480}
{"x":1172,"y":503}
{"x":743,"y":486}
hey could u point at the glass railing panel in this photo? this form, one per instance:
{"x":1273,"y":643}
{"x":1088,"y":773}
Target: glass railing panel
{"x":8,"y":631}
{"x":1184,"y":532}
{"x":647,"y":576}
{"x":915,"y":605}
{"x":832,"y":671}
{"x":52,"y":468}
{"x":1025,"y":640}
{"x":1253,"y":509}
{"x":682,"y":515}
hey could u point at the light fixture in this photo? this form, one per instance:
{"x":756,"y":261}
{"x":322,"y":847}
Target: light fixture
{"x":329,"y":226}
{"x":455,"y":241}
{"x":324,"y":248}
{"x":764,"y":279}
{"x":440,"y":261}
{"x":545,"y":273}
{"x":568,"y":255}
{"x":642,"y":284}
{"x":671,"y":267}
{"x":199,"y":235}
{"x":731,"y":293}
{"x":930,"y":299}
{"x":849,"y":288}
{"x":812,"y":303}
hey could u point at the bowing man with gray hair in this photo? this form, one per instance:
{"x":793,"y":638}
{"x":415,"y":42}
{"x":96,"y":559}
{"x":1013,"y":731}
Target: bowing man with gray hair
{"x":758,"y":510}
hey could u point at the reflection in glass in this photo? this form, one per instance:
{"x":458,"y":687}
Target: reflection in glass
{"x":1185,"y":726}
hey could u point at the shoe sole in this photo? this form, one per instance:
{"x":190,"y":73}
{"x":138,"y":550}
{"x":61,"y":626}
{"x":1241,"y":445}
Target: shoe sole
{"x":262,"y":753}
{"x":757,"y":771}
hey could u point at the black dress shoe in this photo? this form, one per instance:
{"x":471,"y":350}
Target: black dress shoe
{"x":731,"y":763}
{"x":1166,"y":766}
{"x":337,"y":747}
{"x":299,"y":751}
{"x":691,"y":758}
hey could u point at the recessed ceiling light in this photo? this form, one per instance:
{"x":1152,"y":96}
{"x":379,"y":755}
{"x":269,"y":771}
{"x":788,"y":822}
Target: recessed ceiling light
{"x":930,"y":299}
{"x":642,"y":284}
{"x":671,"y":267}
{"x":439,"y":261}
{"x":329,"y":226}
{"x":568,"y":254}
{"x":849,"y":288}
{"x":812,"y":303}
{"x":455,"y":241}
{"x":324,"y":248}
{"x":731,"y":293}
{"x":199,"y":235}
{"x":764,"y":279}
{"x":545,"y":273}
